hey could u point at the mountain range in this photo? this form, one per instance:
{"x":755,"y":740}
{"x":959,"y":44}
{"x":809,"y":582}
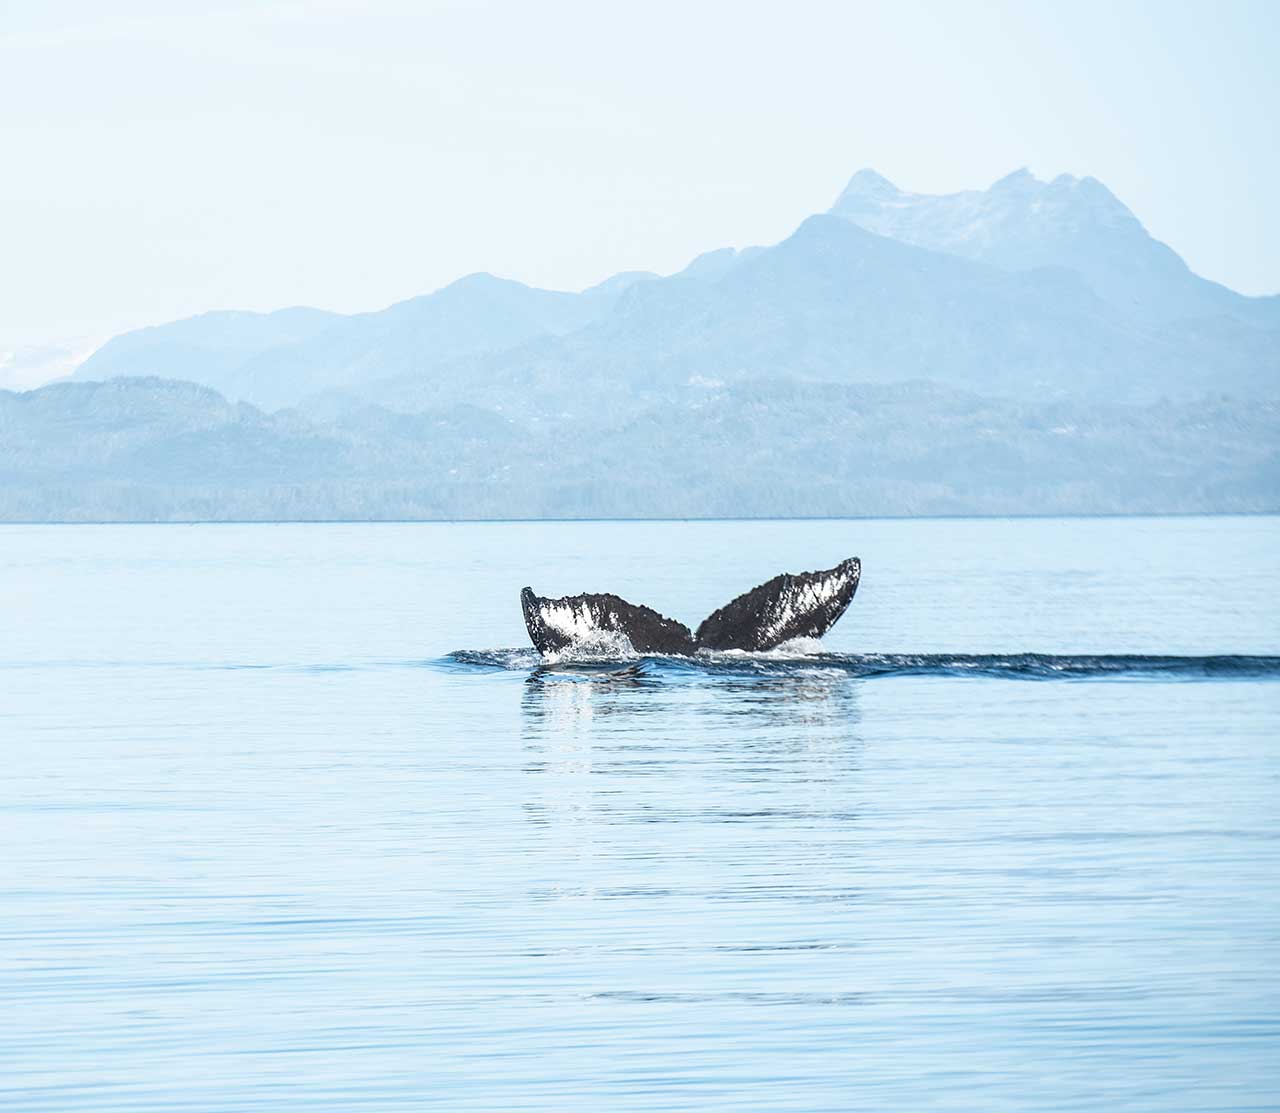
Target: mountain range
{"x":1025,"y":348}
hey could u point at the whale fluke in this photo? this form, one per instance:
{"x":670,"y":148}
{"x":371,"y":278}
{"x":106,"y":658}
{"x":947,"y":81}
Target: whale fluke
{"x":804,"y":605}
{"x":599,"y":622}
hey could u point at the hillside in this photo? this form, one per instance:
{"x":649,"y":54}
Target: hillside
{"x":149,"y":449}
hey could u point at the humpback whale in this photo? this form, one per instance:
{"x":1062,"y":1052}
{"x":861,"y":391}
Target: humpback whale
{"x":800,"y":605}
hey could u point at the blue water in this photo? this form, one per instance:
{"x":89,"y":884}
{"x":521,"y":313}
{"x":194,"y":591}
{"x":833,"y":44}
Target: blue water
{"x":290,"y":820}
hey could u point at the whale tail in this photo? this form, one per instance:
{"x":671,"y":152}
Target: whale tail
{"x":803,"y":605}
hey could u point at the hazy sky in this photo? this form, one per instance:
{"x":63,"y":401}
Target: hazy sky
{"x":160,"y":159}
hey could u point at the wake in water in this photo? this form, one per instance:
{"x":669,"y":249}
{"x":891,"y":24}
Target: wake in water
{"x":784,"y":661}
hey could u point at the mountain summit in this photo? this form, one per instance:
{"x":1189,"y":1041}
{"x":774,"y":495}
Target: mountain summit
{"x":1021,"y":223}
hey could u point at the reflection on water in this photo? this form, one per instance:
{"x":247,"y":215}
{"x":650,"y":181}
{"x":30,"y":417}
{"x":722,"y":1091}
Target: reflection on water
{"x":622,"y":746}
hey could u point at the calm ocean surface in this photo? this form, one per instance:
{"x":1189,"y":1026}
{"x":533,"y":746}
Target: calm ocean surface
{"x":268,"y":843}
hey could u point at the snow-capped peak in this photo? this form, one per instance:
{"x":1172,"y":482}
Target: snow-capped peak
{"x":869,"y":183}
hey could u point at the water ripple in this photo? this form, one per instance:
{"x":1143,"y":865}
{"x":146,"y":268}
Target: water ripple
{"x":1004,"y":666}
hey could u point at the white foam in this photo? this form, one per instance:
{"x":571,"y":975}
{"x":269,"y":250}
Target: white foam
{"x":588,"y":639}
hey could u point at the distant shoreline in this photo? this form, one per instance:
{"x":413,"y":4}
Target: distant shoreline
{"x":636,"y":521}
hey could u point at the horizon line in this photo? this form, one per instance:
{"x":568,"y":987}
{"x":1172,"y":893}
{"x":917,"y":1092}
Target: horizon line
{"x":1098,"y":516}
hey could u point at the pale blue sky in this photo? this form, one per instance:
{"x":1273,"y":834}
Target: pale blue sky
{"x":163,"y":158}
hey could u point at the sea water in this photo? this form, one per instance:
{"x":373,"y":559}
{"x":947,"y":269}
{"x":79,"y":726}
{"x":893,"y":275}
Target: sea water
{"x":291,"y":818}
